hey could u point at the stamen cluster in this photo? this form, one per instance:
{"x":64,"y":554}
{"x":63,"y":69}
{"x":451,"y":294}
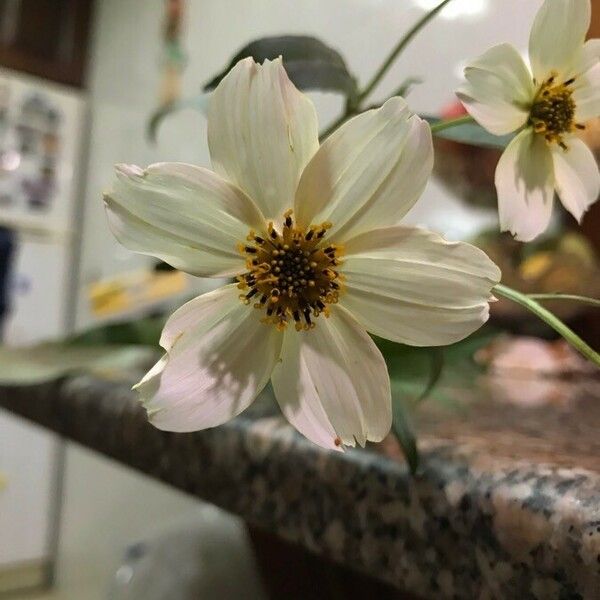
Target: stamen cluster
{"x":292,"y":274}
{"x":553,"y":111}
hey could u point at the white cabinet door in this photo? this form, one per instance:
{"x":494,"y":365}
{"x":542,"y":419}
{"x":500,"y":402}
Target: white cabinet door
{"x":27,"y":502}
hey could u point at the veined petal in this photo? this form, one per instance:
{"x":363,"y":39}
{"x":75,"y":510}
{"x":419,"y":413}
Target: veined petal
{"x":412,"y":286}
{"x":557,"y":36}
{"x":577,"y":177}
{"x":219,"y":357}
{"x":332,"y":382}
{"x":499,"y":90}
{"x":525,"y":186}
{"x":262,"y":132}
{"x":368,"y":173}
{"x":185,"y":215}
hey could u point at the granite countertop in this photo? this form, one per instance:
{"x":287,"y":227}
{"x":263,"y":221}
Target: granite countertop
{"x":506,"y":504}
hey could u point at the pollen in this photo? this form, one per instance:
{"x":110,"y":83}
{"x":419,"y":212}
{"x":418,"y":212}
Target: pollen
{"x":552,"y":113}
{"x":293,"y":273}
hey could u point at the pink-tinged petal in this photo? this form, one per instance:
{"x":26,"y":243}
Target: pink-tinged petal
{"x":219,"y":357}
{"x":557,"y":36}
{"x":499,"y":90}
{"x":262,"y":132}
{"x":185,"y":215}
{"x":368,"y":173}
{"x":332,"y":383}
{"x":577,"y":177}
{"x":525,"y":186}
{"x":411,"y":286}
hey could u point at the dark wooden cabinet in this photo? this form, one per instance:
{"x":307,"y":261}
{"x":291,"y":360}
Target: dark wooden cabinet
{"x":47,"y":38}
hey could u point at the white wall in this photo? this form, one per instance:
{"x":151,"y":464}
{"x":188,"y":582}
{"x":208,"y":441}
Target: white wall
{"x":125,"y":80}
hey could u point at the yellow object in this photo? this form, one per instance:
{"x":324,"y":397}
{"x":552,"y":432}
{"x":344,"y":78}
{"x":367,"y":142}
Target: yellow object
{"x":133,"y":290}
{"x":536,"y":265}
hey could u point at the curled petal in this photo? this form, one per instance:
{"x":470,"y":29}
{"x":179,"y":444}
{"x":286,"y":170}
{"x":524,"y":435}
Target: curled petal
{"x":577,"y":177}
{"x":557,"y":36}
{"x":368,"y":173}
{"x":525,"y":186}
{"x":219,"y":357}
{"x":332,"y":383}
{"x":261,"y":132}
{"x":185,"y":215}
{"x":499,"y":90}
{"x":587,"y":94}
{"x":412,"y":286}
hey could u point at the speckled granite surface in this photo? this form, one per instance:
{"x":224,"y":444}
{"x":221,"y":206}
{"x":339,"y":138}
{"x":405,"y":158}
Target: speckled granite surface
{"x":507,"y":504}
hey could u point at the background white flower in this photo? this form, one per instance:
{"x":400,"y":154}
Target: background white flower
{"x":549,"y":102}
{"x":312,"y":281}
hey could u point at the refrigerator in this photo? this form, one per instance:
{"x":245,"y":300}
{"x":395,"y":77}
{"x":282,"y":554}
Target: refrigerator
{"x":42,"y":149}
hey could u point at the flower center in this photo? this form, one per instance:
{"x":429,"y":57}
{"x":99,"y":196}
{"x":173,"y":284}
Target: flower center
{"x":552,"y":113}
{"x":292,"y":274}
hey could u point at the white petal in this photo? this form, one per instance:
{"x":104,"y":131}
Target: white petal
{"x":499,"y":90}
{"x":411,"y":286}
{"x":261,"y":132}
{"x":557,"y":36}
{"x":577,"y":177}
{"x":185,"y":215}
{"x":333,"y":382}
{"x":587,"y":94}
{"x":219,"y":357}
{"x":368,"y":173}
{"x":525,"y":186}
{"x":590,"y":56}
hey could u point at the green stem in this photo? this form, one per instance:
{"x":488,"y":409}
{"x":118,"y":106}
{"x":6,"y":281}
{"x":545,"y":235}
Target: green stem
{"x":549,"y":318}
{"x":441,"y":125}
{"x":583,"y":299}
{"x":435,"y":128}
{"x":398,"y":49}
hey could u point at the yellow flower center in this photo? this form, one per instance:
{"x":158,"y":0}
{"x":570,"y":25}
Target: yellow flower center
{"x":292,"y":274}
{"x":552,"y":113}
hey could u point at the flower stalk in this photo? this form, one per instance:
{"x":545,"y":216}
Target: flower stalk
{"x":442,"y":125}
{"x":548,"y":317}
{"x":400,"y":46}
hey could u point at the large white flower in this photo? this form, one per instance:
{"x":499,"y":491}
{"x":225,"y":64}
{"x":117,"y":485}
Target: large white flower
{"x":547,"y":104}
{"x":311,"y":234}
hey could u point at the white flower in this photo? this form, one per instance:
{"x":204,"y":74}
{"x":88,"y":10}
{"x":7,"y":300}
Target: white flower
{"x":548,"y":104}
{"x":312,"y":282}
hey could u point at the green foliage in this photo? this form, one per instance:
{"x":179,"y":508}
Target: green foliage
{"x":107,"y":350}
{"x":405,"y":432}
{"x":139,"y":332}
{"x":420,"y":373}
{"x":51,"y":361}
{"x":310,"y":64}
{"x":470,"y":133}
{"x":199,"y":104}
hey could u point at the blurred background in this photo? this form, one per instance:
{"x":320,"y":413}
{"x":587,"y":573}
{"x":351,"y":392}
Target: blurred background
{"x":79,"y":83}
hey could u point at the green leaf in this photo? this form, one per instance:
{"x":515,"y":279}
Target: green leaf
{"x":50,"y":361}
{"x":404,"y":431}
{"x":198,"y":103}
{"x":418,"y":373}
{"x":406,"y":86}
{"x":310,"y":64}
{"x":140,"y":332}
{"x":470,"y":133}
{"x":436,"y":357}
